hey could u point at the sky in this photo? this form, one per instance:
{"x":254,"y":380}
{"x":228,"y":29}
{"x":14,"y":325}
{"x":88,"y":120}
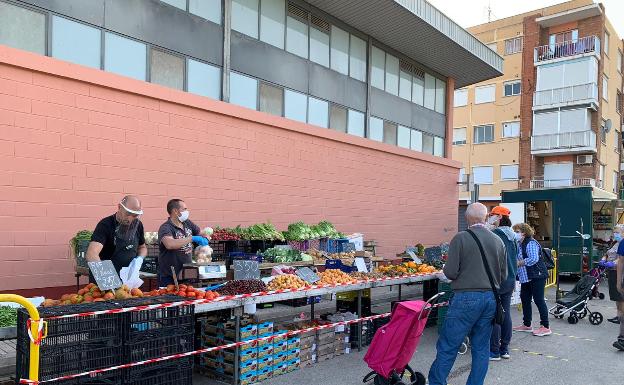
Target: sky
{"x":472,"y":12}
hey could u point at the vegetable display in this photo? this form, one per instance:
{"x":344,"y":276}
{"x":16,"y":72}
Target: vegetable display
{"x":364,"y":276}
{"x":83,"y":235}
{"x":187,"y":291}
{"x":224,"y":234}
{"x":286,"y":281}
{"x":334,"y":276}
{"x":242,"y":287}
{"x":259,"y":232}
{"x":8,"y":316}
{"x":282,"y":255}
{"x":299,"y":231}
{"x":92,"y":293}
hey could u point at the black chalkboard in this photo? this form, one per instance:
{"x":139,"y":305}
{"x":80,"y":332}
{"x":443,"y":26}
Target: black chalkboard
{"x":308,"y":275}
{"x":244,"y":269}
{"x":433,"y":253}
{"x":105,"y":275}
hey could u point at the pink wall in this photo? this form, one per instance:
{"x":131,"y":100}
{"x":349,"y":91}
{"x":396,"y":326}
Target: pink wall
{"x":74,"y":140}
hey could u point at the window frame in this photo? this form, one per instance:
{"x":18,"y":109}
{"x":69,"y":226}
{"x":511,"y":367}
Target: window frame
{"x":460,"y":142}
{"x":514,"y":45}
{"x":512,"y":83}
{"x":605,"y":87}
{"x":507,"y":122}
{"x":151,"y":49}
{"x":461,"y":90}
{"x":493,"y":85}
{"x":483,"y":126}
{"x":491,"y":174}
{"x":606,"y":42}
{"x":47,"y":27}
{"x":517,"y":166}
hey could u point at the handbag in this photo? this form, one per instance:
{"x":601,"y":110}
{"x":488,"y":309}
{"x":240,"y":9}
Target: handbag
{"x":499,"y":316}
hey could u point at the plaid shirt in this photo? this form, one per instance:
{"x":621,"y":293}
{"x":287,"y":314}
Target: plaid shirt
{"x":533,"y":252}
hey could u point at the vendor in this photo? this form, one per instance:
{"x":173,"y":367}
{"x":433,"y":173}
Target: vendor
{"x":175,"y":238}
{"x":120,"y":237}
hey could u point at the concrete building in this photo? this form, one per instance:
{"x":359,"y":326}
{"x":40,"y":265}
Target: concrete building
{"x":250,"y":110}
{"x":554,"y":118}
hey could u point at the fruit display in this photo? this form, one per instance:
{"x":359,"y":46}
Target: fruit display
{"x":286,"y":281}
{"x":187,"y":291}
{"x":319,"y":257}
{"x":406,"y":268}
{"x":202,"y":254}
{"x":364,"y":276}
{"x":224,"y":234}
{"x":92,"y":293}
{"x":334,"y":276}
{"x":347,"y":259}
{"x":242,"y":287}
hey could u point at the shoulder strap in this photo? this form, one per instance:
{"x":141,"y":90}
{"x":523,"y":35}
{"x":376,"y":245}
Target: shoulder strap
{"x":485,"y":263}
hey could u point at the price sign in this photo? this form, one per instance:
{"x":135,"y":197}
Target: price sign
{"x":361,"y":265}
{"x":414,"y":257}
{"x":105,"y":275}
{"x":433,"y":253}
{"x":244,"y":269}
{"x":348,"y":247}
{"x":308,"y":275}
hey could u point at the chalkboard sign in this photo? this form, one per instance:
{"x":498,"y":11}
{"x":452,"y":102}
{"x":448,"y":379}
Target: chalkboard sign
{"x":361,"y":265}
{"x":105,"y":275}
{"x":348,"y":247}
{"x":308,"y":275}
{"x":244,"y":269}
{"x":433,"y":253}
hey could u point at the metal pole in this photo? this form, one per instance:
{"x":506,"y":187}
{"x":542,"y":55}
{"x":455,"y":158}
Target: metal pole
{"x":557,"y":295}
{"x":227,"y":34}
{"x":582,"y":249}
{"x":312,"y":308}
{"x":359,"y":314}
{"x":400,"y":292}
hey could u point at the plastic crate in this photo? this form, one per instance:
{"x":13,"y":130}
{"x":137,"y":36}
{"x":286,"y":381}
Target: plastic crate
{"x":299,"y":245}
{"x":221,"y":249}
{"x":150,"y":264}
{"x":81,"y":252}
{"x":177,"y":371}
{"x":332,"y":245}
{"x":113,"y":377}
{"x":368,"y":333}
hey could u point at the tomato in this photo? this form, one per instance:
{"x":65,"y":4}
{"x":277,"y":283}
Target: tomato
{"x":200,"y":295}
{"x":182,"y":287}
{"x":191,"y":294}
{"x":182,"y":293}
{"x":190,"y":287}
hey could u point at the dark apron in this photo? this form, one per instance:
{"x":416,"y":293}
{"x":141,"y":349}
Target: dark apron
{"x":125,"y":252}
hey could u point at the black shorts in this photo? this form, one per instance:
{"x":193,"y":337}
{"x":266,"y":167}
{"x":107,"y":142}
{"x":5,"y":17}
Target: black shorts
{"x":614,"y":294}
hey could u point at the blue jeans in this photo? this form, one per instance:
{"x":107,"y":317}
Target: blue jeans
{"x":470,"y":314}
{"x":501,"y":334}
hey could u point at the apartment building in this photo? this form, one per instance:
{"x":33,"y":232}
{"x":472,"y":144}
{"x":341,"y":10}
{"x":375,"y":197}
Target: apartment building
{"x":554,"y":117}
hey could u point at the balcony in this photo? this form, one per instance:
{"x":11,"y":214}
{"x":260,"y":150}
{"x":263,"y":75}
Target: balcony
{"x":566,"y":96}
{"x":550,"y":183}
{"x":564,"y":143}
{"x":586,"y":46}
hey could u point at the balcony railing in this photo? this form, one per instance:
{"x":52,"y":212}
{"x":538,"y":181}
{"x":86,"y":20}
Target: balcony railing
{"x":549,"y":183}
{"x":564,"y":141}
{"x":557,"y":97}
{"x":581,"y":46}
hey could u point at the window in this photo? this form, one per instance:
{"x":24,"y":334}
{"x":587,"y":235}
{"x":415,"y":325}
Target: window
{"x":493,"y":46}
{"x":485,"y":94}
{"x":438,"y":146}
{"x":403,"y":136}
{"x":440,"y":96}
{"x":378,"y":69}
{"x":509,"y":172}
{"x":601,"y":175}
{"x":318,"y":112}
{"x":338,"y":118}
{"x":357,"y":59}
{"x":76,"y":42}
{"x":462,"y":173}
{"x":618,"y":138}
{"x":615,"y":182}
{"x":483,"y":134}
{"x":271,"y":99}
{"x":513,"y":45}
{"x":356,"y":123}
{"x":483,"y":175}
{"x":339,"y":50}
{"x":567,"y":73}
{"x":204,"y":79}
{"x":243,"y":91}
{"x":319,"y":46}
{"x":125,"y":56}
{"x":22,"y":28}
{"x":166,"y":69}
{"x":208,"y":9}
{"x":511,"y":129}
{"x":176,"y":3}
{"x":375,"y":129}
{"x":390,"y":133}
{"x":619,"y":61}
{"x":272,"y":15}
{"x":512,"y":88}
{"x":558,"y":174}
{"x":605,"y":87}
{"x":418,"y":90}
{"x":618,"y":102}
{"x":428,"y":144}
{"x":392,"y":75}
{"x":297,"y":37}
{"x":460,"y":98}
{"x":405,"y":85}
{"x":429,"y":91}
{"x":416,"y":142}
{"x":606,"y":43}
{"x":603,"y":132}
{"x":245,"y":17}
{"x":295,"y":105}
{"x":459,"y":136}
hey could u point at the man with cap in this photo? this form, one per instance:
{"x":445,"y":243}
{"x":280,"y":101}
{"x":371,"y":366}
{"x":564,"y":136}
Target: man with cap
{"x":120,"y":237}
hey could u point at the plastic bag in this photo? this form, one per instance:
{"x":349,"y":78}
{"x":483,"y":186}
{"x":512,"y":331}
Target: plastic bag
{"x":203,"y":254}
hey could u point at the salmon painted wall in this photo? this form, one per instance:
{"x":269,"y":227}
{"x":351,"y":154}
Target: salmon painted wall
{"x":74,"y":140}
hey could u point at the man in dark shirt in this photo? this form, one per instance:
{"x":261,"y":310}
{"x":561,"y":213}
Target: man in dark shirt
{"x":175,"y":238}
{"x":120,"y":237}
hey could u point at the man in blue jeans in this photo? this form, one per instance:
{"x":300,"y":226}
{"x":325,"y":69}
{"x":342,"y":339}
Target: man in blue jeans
{"x":471,"y":311}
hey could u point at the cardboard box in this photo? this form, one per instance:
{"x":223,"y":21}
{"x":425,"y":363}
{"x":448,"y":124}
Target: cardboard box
{"x":323,"y":358}
{"x":307,"y":342}
{"x":324,"y":339}
{"x":248,"y":366}
{"x":280,"y":347}
{"x":279,"y":339}
{"x":306,"y":354}
{"x":265,"y":328}
{"x":294,"y":343}
{"x":293,"y":354}
{"x":325,"y":349}
{"x":227,"y":355}
{"x":280,"y":369}
{"x":229,"y":333}
{"x":265,"y":362}
{"x":265,"y":351}
{"x":279,"y":358}
{"x":265,"y":374}
{"x":248,"y":378}
{"x":293,"y":365}
{"x":265,"y":342}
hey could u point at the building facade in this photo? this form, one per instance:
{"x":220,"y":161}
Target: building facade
{"x":250,"y":110}
{"x":554,"y":118}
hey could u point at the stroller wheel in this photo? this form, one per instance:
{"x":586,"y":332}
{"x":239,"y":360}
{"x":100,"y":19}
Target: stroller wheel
{"x":573,"y":319}
{"x":420,"y":379}
{"x":595,"y":318}
{"x":601,"y":296}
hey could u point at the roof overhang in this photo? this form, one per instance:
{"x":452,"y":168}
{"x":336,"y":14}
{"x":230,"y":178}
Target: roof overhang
{"x":602,"y":195}
{"x":569,"y":16}
{"x":423,"y":33}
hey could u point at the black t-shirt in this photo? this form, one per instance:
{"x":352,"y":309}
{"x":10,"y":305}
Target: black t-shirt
{"x":175,"y":258}
{"x":104,"y":233}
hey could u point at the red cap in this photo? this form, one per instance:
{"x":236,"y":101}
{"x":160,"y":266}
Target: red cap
{"x":500,"y":210}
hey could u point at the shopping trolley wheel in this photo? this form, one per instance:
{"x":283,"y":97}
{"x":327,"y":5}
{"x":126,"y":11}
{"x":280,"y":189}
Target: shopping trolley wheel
{"x":420,"y":379}
{"x":601,"y":296}
{"x":595,"y":318}
{"x":573,"y":319}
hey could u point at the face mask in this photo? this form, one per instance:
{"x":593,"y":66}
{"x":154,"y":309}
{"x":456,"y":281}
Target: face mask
{"x":518,"y":237}
{"x":617,"y":237}
{"x":493,"y":219}
{"x":184,"y":215}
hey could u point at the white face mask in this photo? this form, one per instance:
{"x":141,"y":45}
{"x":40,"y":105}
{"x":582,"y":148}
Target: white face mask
{"x":518,"y":236}
{"x":184,"y":215}
{"x":493,"y":219}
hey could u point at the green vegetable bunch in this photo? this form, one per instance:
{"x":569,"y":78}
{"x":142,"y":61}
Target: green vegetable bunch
{"x":259,"y":232}
{"x":282,"y":255}
{"x":8,"y":316}
{"x":299,"y":231}
{"x":83,"y":235}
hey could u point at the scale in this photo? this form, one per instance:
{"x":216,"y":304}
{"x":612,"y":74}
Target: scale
{"x":211,"y":271}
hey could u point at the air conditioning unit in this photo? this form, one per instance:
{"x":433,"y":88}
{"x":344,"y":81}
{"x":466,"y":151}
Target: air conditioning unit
{"x":584,"y":159}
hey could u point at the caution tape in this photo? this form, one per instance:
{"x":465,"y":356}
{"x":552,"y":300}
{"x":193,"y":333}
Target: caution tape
{"x":216,"y":348}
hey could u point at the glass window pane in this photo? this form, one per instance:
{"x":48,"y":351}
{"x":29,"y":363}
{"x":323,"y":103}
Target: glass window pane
{"x":297,"y":37}
{"x":339,"y":50}
{"x":392,"y":74}
{"x":272,"y":16}
{"x":125,"y":56}
{"x":204,"y":79}
{"x":295,"y":105}
{"x":271,"y":99}
{"x":405,"y":86}
{"x":76,"y":42}
{"x":429,"y":91}
{"x":418,"y":90}
{"x":428,"y":144}
{"x":440,"y":99}
{"x":403,"y":137}
{"x":438,"y":146}
{"x":245,"y":17}
{"x":416,"y":141}
{"x":22,"y":28}
{"x":243,"y":91}
{"x":166,"y":69}
{"x":375,"y":129}
{"x":460,"y":98}
{"x":338,"y":118}
{"x":318,"y":112}
{"x":319,"y":47}
{"x":390,"y":133}
{"x":378,"y":71}
{"x":356,"y":123}
{"x":176,"y":3}
{"x":357,"y":59}
{"x":208,"y":9}
{"x":509,"y":172}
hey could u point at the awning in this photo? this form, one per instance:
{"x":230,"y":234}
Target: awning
{"x":602,"y":195}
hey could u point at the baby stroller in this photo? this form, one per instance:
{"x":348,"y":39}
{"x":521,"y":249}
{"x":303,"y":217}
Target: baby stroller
{"x":600,"y":272}
{"x":394,"y":345}
{"x":575,"y":302}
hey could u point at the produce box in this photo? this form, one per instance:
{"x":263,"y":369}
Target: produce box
{"x":248,"y":378}
{"x":280,"y":347}
{"x":266,"y":342}
{"x":307,"y":342}
{"x":280,"y":369}
{"x":265,"y":362}
{"x":265,"y":351}
{"x":265,"y":374}
{"x":325,"y":350}
{"x":294,"y":343}
{"x":293,"y":354}
{"x":293,"y":365}
{"x":279,"y":358}
{"x":278,"y":338}
{"x":265,"y":328}
{"x":324,"y":339}
{"x":227,"y":355}
{"x":218,"y":367}
{"x":322,"y":358}
{"x":228,"y":331}
{"x":178,"y":371}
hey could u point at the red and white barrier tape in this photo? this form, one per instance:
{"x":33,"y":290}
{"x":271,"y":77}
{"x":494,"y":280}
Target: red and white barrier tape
{"x":215,"y":348}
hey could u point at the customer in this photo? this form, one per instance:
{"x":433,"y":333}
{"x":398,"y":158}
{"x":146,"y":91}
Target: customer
{"x":473,"y":306}
{"x":501,"y":334}
{"x":532,"y":273}
{"x":611,"y":257}
{"x":618,"y":295}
